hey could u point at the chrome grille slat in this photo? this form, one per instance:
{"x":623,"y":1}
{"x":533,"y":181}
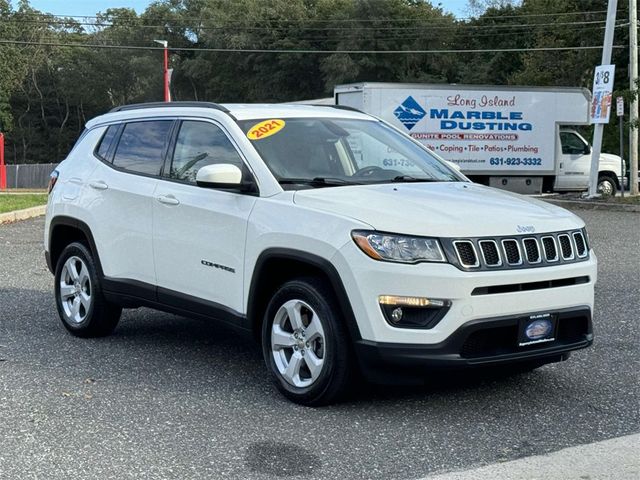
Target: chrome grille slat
{"x":467,"y":255}
{"x":490,"y":253}
{"x":532,"y":250}
{"x":566,"y":247}
{"x":581,"y":245}
{"x":512,"y":252}
{"x":550,"y":249}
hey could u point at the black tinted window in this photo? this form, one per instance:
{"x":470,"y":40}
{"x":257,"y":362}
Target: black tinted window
{"x":199,"y":144}
{"x":141,"y":145}
{"x":105,"y":142}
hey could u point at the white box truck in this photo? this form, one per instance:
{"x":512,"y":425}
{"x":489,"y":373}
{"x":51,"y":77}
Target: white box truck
{"x":517,"y":138}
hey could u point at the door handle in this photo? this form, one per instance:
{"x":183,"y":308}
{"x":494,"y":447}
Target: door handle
{"x":168,"y":200}
{"x":98,"y":185}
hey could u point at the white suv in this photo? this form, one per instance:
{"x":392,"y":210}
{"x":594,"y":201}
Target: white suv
{"x":341,"y":243}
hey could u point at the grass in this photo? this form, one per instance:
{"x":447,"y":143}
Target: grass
{"x":9,"y":202}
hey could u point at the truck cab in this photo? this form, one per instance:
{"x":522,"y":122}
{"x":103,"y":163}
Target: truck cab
{"x":573,"y":153}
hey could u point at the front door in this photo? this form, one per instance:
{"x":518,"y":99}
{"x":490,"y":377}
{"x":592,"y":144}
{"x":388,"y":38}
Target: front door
{"x":575,"y":162}
{"x":199,"y":233}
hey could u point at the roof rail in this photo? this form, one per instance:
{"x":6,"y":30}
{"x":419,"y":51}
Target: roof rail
{"x":138,"y":106}
{"x":339,"y":107}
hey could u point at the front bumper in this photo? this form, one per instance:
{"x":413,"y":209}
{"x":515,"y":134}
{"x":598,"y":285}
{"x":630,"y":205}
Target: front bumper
{"x":483,"y":342}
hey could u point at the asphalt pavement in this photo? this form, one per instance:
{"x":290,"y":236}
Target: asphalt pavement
{"x":166,"y":397}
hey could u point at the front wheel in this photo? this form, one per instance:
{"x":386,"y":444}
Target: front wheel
{"x":607,"y":185}
{"x":81,"y":304}
{"x":305,"y":343}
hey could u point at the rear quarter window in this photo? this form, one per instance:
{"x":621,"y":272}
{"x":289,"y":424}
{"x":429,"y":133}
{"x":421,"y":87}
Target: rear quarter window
{"x":102,"y":150}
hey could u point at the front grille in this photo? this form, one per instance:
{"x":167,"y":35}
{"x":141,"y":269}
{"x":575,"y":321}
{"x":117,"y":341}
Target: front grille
{"x":532,"y":250}
{"x":550,"y":249}
{"x":490,"y":253}
{"x":466,"y":254}
{"x":512,"y":252}
{"x":581,"y":246}
{"x":565,"y":246}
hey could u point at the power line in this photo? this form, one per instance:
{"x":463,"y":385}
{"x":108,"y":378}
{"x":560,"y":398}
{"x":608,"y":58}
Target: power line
{"x":304,"y":51}
{"x":363,"y":20}
{"x":273,"y":28}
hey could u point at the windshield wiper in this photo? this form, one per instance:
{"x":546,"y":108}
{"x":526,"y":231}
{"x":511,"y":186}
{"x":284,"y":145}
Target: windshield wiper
{"x":317,"y":181}
{"x":409,"y":178}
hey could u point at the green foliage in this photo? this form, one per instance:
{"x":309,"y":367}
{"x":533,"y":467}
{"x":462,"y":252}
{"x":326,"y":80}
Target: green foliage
{"x":47,"y":93}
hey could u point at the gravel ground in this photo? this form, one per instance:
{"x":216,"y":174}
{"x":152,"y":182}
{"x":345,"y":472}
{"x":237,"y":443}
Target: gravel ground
{"x":168,"y":397}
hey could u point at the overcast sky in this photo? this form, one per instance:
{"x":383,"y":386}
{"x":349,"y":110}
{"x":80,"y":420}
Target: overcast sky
{"x":91,"y":7}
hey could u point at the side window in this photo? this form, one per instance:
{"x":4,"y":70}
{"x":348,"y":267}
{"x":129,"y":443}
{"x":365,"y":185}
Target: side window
{"x":571,"y":143}
{"x":141,"y":146}
{"x":105,"y":143}
{"x":199,"y":144}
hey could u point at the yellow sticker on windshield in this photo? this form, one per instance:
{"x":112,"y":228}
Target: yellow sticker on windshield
{"x":265,"y":129}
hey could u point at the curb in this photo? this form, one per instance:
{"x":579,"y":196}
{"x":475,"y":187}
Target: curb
{"x":588,"y":205}
{"x":24,"y":214}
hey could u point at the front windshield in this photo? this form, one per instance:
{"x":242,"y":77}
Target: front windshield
{"x":329,"y":152}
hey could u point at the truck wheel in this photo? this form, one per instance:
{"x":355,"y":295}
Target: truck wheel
{"x":607,"y":185}
{"x":81,"y":305}
{"x":305,"y":344}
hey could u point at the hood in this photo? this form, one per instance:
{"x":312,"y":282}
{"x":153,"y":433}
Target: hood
{"x":446,"y":209}
{"x":609,"y":157}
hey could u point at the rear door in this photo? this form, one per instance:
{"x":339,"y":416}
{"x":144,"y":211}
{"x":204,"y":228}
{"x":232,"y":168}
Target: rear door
{"x":199,"y":233}
{"x":122,"y":187}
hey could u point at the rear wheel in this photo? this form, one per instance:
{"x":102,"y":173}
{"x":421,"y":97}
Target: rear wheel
{"x":305,"y":344}
{"x":79,"y":299}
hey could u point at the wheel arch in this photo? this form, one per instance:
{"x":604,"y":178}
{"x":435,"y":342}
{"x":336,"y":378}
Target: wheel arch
{"x":277,"y":265}
{"x":64,"y":230}
{"x":612,"y":175}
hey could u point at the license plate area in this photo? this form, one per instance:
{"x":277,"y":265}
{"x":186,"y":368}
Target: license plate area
{"x":537,"y":328}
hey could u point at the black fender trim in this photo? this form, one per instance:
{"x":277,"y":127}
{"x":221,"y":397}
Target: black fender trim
{"x":314,"y":260}
{"x":78,"y":224}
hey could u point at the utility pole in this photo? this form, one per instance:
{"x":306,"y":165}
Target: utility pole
{"x":633,"y":110}
{"x":167,"y":93}
{"x":607,"y":48}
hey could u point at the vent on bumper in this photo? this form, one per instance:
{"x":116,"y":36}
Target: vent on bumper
{"x":502,"y":253}
{"x":522,"y":287}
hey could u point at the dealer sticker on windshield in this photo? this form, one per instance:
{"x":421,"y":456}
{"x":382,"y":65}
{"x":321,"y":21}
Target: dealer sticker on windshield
{"x":265,"y":129}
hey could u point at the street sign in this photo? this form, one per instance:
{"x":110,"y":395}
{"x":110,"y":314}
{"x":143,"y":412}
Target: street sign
{"x":602,"y":92}
{"x":620,"y":106}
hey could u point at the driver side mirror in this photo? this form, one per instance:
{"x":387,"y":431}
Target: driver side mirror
{"x":587,"y":149}
{"x":224,"y":176}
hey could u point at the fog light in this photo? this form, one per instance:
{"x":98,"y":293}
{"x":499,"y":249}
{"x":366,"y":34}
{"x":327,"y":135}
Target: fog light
{"x":396,"y":314}
{"x":413,"y":312}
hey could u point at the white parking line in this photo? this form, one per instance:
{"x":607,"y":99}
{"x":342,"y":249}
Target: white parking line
{"x":617,"y":458}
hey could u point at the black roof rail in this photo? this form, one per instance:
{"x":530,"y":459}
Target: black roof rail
{"x":138,"y":106}
{"x":340,"y":107}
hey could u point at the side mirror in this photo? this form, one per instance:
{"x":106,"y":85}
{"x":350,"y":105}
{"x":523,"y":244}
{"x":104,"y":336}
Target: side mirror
{"x":223,"y":175}
{"x":587,"y":150}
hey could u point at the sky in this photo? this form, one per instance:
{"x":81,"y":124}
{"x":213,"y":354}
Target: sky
{"x":91,"y":7}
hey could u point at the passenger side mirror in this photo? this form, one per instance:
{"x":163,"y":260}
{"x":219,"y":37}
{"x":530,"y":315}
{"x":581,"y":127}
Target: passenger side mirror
{"x":224,"y":176}
{"x":587,"y":149}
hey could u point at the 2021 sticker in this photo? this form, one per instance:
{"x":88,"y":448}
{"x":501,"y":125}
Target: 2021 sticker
{"x":265,"y":129}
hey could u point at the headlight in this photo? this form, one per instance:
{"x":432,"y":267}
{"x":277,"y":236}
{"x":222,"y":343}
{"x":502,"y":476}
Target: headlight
{"x":398,"y":248}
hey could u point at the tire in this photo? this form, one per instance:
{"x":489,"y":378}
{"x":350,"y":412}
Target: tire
{"x":607,"y":185}
{"x":81,"y":305}
{"x":309,"y":359}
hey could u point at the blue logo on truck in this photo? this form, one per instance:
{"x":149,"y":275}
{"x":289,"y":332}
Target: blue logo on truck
{"x":409,"y":113}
